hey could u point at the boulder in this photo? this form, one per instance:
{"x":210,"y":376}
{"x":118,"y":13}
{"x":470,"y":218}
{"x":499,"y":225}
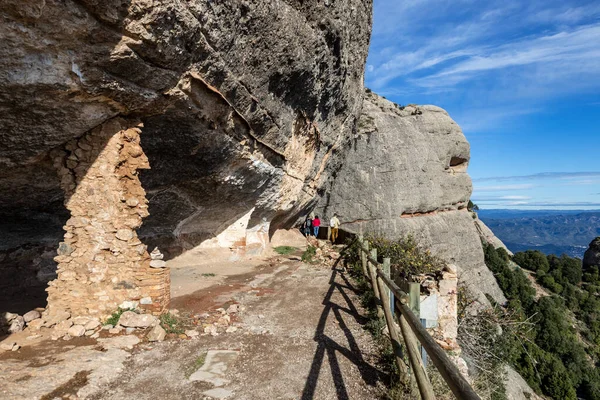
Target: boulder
{"x":31,"y":315}
{"x":130,"y":319}
{"x":156,"y":334}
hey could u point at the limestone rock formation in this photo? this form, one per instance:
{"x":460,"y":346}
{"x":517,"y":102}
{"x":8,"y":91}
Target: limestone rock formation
{"x":486,"y":234}
{"x":592,"y":254}
{"x":239,"y":107}
{"x":406,"y":173}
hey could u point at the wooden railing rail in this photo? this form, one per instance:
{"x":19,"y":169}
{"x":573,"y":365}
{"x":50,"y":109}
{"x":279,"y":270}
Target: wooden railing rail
{"x":378,"y":274}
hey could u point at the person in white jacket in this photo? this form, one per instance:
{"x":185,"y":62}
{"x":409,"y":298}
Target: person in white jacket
{"x":334,"y":224}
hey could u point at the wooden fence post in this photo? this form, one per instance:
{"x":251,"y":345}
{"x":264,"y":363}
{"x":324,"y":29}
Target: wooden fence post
{"x":373,"y":273}
{"x":412,"y":348}
{"x":364,"y":260}
{"x":414,"y":293}
{"x":389,"y":319}
{"x":414,"y":303}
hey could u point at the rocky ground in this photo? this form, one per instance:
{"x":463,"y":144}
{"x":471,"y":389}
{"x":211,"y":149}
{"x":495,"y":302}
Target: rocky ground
{"x":285,"y":330}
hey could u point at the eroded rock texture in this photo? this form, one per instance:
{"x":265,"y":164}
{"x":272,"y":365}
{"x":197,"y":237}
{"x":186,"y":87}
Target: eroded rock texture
{"x":242,"y":105}
{"x":406,"y":173}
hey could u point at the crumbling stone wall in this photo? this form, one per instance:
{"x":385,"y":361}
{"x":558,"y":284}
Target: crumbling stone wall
{"x":101,"y":262}
{"x":443,"y":289}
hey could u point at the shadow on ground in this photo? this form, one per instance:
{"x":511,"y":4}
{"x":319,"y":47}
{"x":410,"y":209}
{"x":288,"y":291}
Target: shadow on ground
{"x":330,"y":348}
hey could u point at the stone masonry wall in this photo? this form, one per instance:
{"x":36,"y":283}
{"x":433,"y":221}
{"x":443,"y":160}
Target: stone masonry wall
{"x":444,"y":289}
{"x":101,"y":262}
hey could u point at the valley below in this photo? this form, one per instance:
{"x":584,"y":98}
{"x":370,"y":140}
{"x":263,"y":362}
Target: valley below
{"x":549,"y":231}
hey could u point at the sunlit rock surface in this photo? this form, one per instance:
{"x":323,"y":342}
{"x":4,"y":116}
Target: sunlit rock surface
{"x":405,"y":173}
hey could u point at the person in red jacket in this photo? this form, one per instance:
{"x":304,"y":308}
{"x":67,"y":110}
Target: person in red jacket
{"x":316,"y":223}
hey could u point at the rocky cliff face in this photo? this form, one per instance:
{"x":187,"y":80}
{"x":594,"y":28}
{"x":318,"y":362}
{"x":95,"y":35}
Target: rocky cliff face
{"x":592,"y":255}
{"x":406,"y":173}
{"x":240,"y":107}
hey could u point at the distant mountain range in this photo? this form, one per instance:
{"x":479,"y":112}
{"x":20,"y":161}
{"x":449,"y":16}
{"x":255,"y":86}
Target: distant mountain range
{"x":550,"y":231}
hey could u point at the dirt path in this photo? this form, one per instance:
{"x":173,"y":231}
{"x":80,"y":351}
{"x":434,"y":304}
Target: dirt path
{"x":299,"y":336}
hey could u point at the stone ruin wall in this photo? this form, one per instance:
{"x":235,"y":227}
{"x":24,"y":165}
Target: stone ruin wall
{"x":444,"y":287}
{"x":101,"y":262}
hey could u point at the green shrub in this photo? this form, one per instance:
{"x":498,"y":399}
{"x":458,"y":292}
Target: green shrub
{"x":115,"y":316}
{"x":553,"y":360}
{"x":309,"y":253}
{"x":284,"y":250}
{"x":171,"y":323}
{"x":406,"y":257}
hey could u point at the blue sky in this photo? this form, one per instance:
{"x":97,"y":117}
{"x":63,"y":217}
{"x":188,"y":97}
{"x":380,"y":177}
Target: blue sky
{"x":522,"y":79}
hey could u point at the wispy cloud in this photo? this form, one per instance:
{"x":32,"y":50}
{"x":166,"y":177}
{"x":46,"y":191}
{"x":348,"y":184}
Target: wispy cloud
{"x":542,"y":175}
{"x":551,"y":50}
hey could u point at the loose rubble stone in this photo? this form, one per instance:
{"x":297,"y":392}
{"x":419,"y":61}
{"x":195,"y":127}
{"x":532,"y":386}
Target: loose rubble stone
{"x":192,"y":333}
{"x":76,"y":331}
{"x":63,"y":325}
{"x":31,"y":315}
{"x":7,"y":346}
{"x":93,"y":324}
{"x":231,"y":329}
{"x":129,"y":331}
{"x":156,"y":254}
{"x":129,"y":319}
{"x":115,"y":330}
{"x":16,"y":325}
{"x":80,"y":320}
{"x":157,"y":334}
{"x":8,"y":317}
{"x":107,"y":327}
{"x":54,"y":318}
{"x":146,"y":300}
{"x":158,"y":264}
{"x":128,"y":305}
{"x":232,"y":309}
{"x":211,"y":329}
{"x":124,"y":234}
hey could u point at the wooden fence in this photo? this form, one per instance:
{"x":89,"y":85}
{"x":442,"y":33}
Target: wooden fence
{"x":378,"y":274}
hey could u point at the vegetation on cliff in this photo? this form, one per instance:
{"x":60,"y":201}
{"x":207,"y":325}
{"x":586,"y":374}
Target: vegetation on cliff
{"x":552,"y":357}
